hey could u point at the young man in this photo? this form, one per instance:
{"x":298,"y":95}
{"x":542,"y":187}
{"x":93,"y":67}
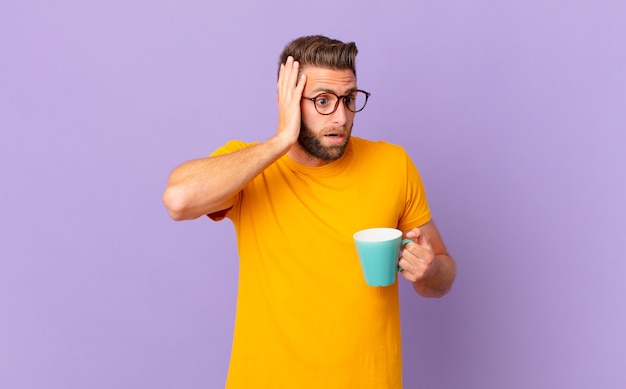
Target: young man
{"x":305,"y":317}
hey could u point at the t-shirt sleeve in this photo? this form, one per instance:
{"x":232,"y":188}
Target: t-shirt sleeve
{"x":416,"y":210}
{"x":230,"y":147}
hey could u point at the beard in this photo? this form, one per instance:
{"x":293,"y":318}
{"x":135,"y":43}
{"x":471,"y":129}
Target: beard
{"x":314,"y":147}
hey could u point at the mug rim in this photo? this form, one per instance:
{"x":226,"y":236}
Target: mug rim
{"x":378,"y":234}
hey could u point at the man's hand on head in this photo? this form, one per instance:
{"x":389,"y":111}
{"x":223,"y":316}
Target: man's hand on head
{"x":290,"y":88}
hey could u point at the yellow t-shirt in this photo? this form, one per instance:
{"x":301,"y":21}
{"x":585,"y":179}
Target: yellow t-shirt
{"x":305,"y":317}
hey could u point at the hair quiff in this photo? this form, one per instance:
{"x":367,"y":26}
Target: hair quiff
{"x":321,"y":51}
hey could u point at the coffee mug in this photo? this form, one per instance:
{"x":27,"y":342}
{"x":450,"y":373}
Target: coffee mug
{"x":379,"y":252}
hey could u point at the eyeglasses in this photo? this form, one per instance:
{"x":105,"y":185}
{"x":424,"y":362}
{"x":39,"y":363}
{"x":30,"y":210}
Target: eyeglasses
{"x":326,"y":103}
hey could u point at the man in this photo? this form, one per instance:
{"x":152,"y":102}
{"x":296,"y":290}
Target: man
{"x":305,"y":317}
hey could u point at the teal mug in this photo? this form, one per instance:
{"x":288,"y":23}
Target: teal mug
{"x":379,"y":252}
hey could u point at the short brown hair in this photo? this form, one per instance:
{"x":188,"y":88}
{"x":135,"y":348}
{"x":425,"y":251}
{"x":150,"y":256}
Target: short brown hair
{"x":318,"y":50}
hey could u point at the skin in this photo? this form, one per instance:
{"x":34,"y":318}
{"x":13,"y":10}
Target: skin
{"x":208,"y":185}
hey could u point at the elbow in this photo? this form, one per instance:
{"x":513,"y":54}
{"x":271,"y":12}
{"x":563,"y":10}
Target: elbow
{"x":175,"y":203}
{"x":184,"y":203}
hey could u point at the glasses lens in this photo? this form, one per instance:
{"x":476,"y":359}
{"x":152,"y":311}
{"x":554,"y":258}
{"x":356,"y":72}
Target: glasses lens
{"x":356,"y":101}
{"x":325,"y":103}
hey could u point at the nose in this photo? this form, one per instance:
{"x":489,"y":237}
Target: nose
{"x":340,"y":116}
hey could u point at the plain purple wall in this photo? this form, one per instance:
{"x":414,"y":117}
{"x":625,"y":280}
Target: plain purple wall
{"x":514,"y":112}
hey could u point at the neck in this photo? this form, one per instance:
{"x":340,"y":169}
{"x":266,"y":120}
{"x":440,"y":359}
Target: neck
{"x":303,"y":157}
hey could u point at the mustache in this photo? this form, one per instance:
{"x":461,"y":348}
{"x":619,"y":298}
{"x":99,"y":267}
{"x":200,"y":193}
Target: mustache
{"x":337,"y":130}
{"x":341,"y":130}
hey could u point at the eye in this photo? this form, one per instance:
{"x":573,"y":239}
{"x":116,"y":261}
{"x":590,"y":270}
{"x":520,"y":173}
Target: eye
{"x":322,"y":100}
{"x":350,"y":100}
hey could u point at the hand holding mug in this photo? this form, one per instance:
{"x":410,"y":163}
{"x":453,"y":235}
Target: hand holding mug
{"x":417,"y":259}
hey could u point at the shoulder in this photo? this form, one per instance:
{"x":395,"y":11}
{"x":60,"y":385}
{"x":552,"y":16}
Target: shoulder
{"x":232,"y":146}
{"x":378,"y":149}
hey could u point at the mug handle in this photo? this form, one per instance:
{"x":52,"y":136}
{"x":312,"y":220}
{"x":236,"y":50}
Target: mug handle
{"x":404,"y":241}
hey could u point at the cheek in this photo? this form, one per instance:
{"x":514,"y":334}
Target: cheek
{"x":312,"y":120}
{"x":307,"y":110}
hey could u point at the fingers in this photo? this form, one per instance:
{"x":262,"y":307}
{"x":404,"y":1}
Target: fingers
{"x":418,"y":236}
{"x":290,"y":79}
{"x":290,"y":84}
{"x":290,"y":89}
{"x":416,"y":257}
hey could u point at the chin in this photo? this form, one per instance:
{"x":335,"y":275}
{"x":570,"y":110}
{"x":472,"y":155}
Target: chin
{"x":317,"y":147}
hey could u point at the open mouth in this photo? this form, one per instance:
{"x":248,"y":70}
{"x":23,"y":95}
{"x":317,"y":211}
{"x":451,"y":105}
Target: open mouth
{"x":336,"y":139}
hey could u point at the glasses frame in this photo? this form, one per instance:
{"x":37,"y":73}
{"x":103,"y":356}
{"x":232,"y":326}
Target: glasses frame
{"x":339,"y":98}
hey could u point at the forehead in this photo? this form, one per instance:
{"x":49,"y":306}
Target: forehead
{"x":320,"y":79}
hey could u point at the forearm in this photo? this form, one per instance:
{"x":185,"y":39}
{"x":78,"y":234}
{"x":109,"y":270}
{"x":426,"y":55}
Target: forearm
{"x":207,"y":185}
{"x":438,"y":281}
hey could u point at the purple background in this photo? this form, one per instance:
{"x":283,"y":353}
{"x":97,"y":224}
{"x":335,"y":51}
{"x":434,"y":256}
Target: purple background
{"x":515,"y":113}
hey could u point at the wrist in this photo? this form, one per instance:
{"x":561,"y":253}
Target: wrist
{"x":279,"y":144}
{"x":437,"y":281}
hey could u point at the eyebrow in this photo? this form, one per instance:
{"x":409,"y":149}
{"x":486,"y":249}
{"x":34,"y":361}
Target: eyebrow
{"x":321,"y":90}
